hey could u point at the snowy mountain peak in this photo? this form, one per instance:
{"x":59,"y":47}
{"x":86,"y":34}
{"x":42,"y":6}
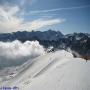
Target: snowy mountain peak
{"x":53,"y":71}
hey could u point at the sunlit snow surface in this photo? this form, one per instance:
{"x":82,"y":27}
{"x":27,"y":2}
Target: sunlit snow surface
{"x":53,"y":71}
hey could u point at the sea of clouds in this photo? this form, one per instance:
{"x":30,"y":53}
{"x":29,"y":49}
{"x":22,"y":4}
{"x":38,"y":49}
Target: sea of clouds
{"x":16,"y":53}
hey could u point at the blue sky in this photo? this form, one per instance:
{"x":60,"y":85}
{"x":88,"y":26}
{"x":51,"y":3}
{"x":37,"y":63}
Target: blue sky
{"x":68,"y":16}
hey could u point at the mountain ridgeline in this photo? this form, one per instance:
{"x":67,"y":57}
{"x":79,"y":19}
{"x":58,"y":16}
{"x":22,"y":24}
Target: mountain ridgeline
{"x":77,"y":43}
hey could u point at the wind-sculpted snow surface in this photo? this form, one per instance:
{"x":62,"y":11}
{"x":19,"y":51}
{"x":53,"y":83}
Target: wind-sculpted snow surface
{"x":53,"y":71}
{"x":15,"y":53}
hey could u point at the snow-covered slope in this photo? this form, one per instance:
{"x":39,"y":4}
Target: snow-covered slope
{"x":53,"y":71}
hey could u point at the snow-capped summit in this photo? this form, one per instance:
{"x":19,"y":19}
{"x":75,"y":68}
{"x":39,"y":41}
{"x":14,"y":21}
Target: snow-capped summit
{"x":33,"y":35}
{"x":52,"y":71}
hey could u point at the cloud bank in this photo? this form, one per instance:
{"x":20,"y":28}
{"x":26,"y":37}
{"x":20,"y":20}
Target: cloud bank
{"x":15,"y":53}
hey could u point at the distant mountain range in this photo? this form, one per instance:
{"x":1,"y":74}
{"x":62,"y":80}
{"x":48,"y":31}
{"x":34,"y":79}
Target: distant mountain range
{"x":76,"y":42}
{"x":80,"y":42}
{"x":34,"y":35}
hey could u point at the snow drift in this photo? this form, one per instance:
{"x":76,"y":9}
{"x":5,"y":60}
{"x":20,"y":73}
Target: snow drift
{"x":52,"y":71}
{"x":15,"y":53}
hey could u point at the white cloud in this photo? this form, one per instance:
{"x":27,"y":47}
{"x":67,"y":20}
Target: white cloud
{"x":14,"y":53}
{"x":26,"y":2}
{"x":11,"y":22}
{"x":8,"y":19}
{"x":58,"y":9}
{"x":7,"y":13}
{"x":11,"y":19}
{"x":39,"y":23}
